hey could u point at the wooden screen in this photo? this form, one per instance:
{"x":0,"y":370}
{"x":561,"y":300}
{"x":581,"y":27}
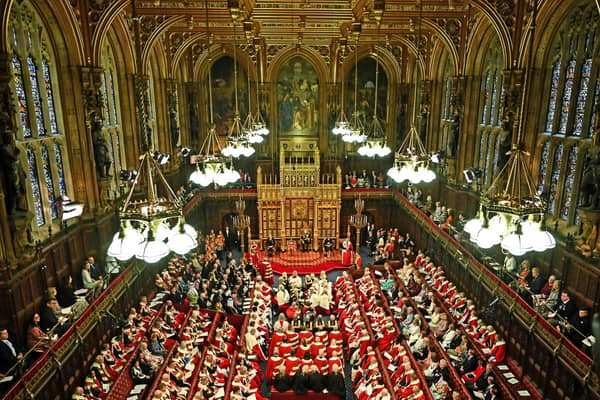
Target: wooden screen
{"x":299,"y":215}
{"x":271,"y":221}
{"x":327,"y":222}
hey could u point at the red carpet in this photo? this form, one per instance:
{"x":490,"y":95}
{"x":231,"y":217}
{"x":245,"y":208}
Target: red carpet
{"x":295,"y":259}
{"x":327,"y":267}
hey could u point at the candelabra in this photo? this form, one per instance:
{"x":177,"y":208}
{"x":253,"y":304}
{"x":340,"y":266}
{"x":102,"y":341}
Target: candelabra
{"x":358,"y":221}
{"x":241,"y":222}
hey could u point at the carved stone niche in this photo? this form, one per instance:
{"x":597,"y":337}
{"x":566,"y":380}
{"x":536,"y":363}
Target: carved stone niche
{"x":588,"y":243}
{"x":20,"y":227}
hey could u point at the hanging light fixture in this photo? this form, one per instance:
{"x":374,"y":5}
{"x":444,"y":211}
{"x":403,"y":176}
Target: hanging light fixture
{"x":342,"y":125}
{"x":153,"y":213}
{"x":511,"y":205}
{"x":249,"y":125}
{"x":238,"y":143}
{"x":356,"y":129}
{"x":212,"y":164}
{"x":411,"y":161}
{"x":376,"y":144}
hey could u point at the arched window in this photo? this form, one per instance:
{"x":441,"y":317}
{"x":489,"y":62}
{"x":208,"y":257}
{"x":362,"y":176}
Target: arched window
{"x":554,"y":178}
{"x":35,"y":187}
{"x":112,"y":129}
{"x":573,"y":93}
{"x":486,"y":97}
{"x":39,"y":133}
{"x":567,"y":197}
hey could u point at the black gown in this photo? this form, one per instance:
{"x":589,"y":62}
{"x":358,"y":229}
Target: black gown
{"x":300,"y":383}
{"x":336,"y":385}
{"x":317,"y":382}
{"x":282,"y":383}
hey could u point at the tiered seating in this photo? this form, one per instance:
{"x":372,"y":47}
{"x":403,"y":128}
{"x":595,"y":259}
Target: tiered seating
{"x":438,"y":387}
{"x":121,"y":355}
{"x":211,"y":378}
{"x":406,"y":380}
{"x":486,"y":343}
{"x":369,"y":375}
{"x":255,"y":340}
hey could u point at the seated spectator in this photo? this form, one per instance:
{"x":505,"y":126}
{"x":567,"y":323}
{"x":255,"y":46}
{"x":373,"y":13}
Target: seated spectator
{"x":280,"y":380}
{"x":37,"y":340}
{"x":138,"y":376}
{"x":48,"y":319}
{"x":563,"y":311}
{"x":336,"y":383}
{"x":88,"y":281}
{"x":66,"y":297}
{"x":579,"y":327}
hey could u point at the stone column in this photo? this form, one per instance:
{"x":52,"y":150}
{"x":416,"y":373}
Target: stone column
{"x":15,"y":218}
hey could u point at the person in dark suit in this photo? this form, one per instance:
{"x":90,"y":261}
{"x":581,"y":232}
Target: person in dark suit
{"x":537,"y":282}
{"x":469,"y":364}
{"x":10,"y":354}
{"x":306,"y":240}
{"x":48,"y":319}
{"x":95,"y":270}
{"x":270,"y":246}
{"x":328,"y":246}
{"x":229,"y":239}
{"x":579,"y":326}
{"x":564,"y":310}
{"x":481,"y":384}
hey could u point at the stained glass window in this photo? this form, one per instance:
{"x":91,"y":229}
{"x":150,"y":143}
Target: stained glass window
{"x":555,"y":177}
{"x":49,"y":181}
{"x":566,"y":100}
{"x":586,"y":163}
{"x":21,"y":97}
{"x":114,"y":98}
{"x":481,"y":151}
{"x":594,"y":108}
{"x":586,"y":70}
{"x":50,"y":96}
{"x":543,"y":166}
{"x":553,"y":95}
{"x":494,"y":103}
{"x":567,"y":197}
{"x":112,"y":154}
{"x":496,"y":155}
{"x":447,"y":99}
{"x":118,"y":140}
{"x":13,"y":34}
{"x":62,"y":186}
{"x":486,"y":96}
{"x":488,"y":161}
{"x":35,"y":187}
{"x":35,"y":94}
{"x":500,"y":103}
{"x":105,"y":100}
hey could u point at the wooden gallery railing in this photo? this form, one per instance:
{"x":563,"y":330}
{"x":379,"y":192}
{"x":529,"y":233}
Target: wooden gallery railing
{"x":53,"y":374}
{"x":558,"y":368}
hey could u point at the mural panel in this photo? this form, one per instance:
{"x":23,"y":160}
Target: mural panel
{"x":297,"y":98}
{"x":223,"y":90}
{"x":366,"y":91}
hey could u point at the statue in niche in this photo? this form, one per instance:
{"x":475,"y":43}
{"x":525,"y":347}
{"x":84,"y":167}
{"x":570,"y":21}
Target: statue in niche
{"x":14,"y":177}
{"x":101,"y":150}
{"x":454,"y":134}
{"x":590,"y":184}
{"x":174,"y":127}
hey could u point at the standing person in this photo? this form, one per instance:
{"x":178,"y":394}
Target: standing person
{"x":327,"y":246}
{"x":9,"y":352}
{"x":229,"y":239}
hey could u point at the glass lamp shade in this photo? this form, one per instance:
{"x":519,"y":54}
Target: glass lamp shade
{"x":393,"y":173}
{"x":255,"y":137}
{"x":162,"y":232}
{"x":384,"y":151}
{"x":182,"y":242}
{"x":426,"y":174}
{"x":529,"y":226}
{"x":152,"y":251}
{"x":221,"y":178}
{"x":499,"y":224}
{"x":246,"y":150}
{"x":473,"y":226}
{"x":541,"y":240}
{"x":122,"y":247}
{"x":187,"y":228}
{"x":516,"y":244}
{"x":366,"y":150}
{"x":485,"y":238}
{"x":133,"y":234}
{"x":234,"y":176}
